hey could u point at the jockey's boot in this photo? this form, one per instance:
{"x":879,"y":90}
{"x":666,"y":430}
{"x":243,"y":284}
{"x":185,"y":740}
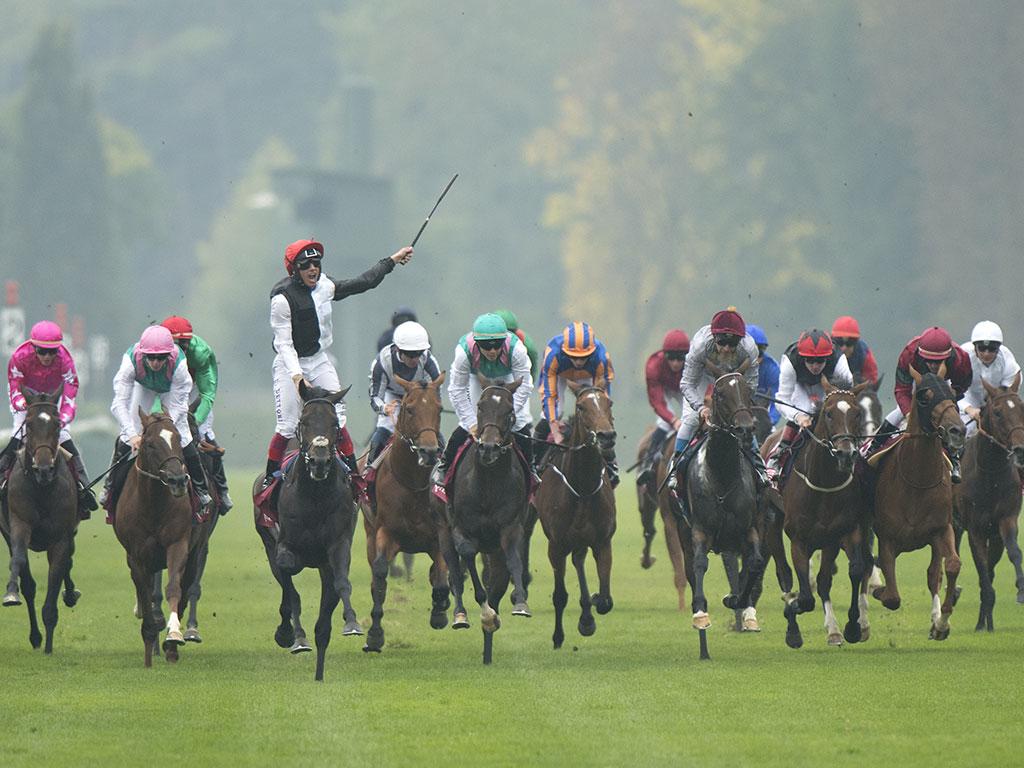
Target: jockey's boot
{"x":7,"y":459}
{"x":121,"y":449}
{"x":354,"y":476}
{"x":195,"y":471}
{"x":613,"y":472}
{"x":777,"y":459}
{"x":273,"y":465}
{"x":651,"y":457}
{"x":86,"y":498}
{"x":448,"y":456}
{"x":679,"y":459}
{"x":220,"y":480}
{"x":884,"y":430}
{"x":954,"y":467}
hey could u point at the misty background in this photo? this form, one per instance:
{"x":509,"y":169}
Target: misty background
{"x":638,"y":165}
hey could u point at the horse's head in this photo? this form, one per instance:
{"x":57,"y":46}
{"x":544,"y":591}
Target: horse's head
{"x":936,"y":409}
{"x":160,"y":456}
{"x":419,"y":418}
{"x":495,"y":417}
{"x":318,"y":429}
{"x":871,"y":405}
{"x":1003,"y":419}
{"x":731,"y":406}
{"x":42,"y":434}
{"x":840,"y":423}
{"x":594,"y":421}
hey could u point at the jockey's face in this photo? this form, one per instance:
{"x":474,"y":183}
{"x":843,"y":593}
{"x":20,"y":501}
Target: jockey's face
{"x":815,"y":365}
{"x":987,"y":351}
{"x":45,"y":356}
{"x":579,"y":362}
{"x":308,"y":270}
{"x":933,"y":365}
{"x":156,"y":362}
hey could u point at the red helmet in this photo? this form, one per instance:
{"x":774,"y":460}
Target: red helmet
{"x":935,"y":344}
{"x":846,"y":327}
{"x":728,"y":321}
{"x":676,"y":341}
{"x":299,"y":248}
{"x":814,"y":343}
{"x":179,"y":327}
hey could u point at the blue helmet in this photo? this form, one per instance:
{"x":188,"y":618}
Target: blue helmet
{"x":757,"y":334}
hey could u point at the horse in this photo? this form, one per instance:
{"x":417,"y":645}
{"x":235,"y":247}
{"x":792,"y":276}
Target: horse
{"x":41,"y":513}
{"x":649,"y":502}
{"x":987,"y":502}
{"x":576,"y":507}
{"x":913,"y":497}
{"x":723,"y":500}
{"x":871,"y":404}
{"x":153,"y":522}
{"x":316,"y":521}
{"x":408,"y":517}
{"x":487,"y":510}
{"x":826,"y":509}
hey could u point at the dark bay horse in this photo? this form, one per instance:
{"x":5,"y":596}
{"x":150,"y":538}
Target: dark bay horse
{"x":153,"y":522}
{"x":41,"y":513}
{"x":487,"y":509}
{"x":987,"y":503}
{"x":914,"y":500}
{"x":576,"y":507}
{"x":826,"y":509}
{"x":316,"y":521}
{"x":723,"y":500}
{"x":407,"y":516}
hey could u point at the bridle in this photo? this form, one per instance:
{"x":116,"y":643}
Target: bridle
{"x":161,"y":475}
{"x":319,"y":441}
{"x":30,"y":467}
{"x":988,"y":409}
{"x":503,"y":432}
{"x":829,"y":444}
{"x":731,"y":428}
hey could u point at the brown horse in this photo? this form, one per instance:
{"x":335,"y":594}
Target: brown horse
{"x":576,"y":506}
{"x":826,"y":509}
{"x":914,"y":498}
{"x":41,"y":513}
{"x":153,"y":522}
{"x":408,"y":517}
{"x":986,"y":504}
{"x":650,"y":502}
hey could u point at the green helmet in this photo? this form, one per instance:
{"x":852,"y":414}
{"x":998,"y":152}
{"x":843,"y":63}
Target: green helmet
{"x":489,"y":326}
{"x":511,"y":322}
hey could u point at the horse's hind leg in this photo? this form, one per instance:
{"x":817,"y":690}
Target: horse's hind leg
{"x":385,"y":549}
{"x":342,"y":562}
{"x":587,"y":626}
{"x":699,"y":564}
{"x":943,"y":545}
{"x":58,"y":557}
{"x":1008,"y":533}
{"x":71,"y":595}
{"x":648,"y":506}
{"x":731,"y":564}
{"x":329,"y":598}
{"x":824,"y":581}
{"x":195,"y":592}
{"x":512,"y":546}
{"x":439,"y":601}
{"x":979,"y":552}
{"x":456,"y":582}
{"x":675,"y":555}
{"x":889,"y":595}
{"x":144,"y":591}
{"x":854,"y":548}
{"x":802,"y":602}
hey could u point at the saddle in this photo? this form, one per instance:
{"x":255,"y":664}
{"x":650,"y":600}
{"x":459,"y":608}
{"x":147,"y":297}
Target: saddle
{"x":266,"y":500}
{"x":779,"y":479}
{"x":441,"y":491}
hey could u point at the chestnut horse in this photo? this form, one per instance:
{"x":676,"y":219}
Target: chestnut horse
{"x":914,"y":499}
{"x":986,"y":504}
{"x":153,"y":522}
{"x":41,"y":513}
{"x":407,"y":516}
{"x":576,"y":507}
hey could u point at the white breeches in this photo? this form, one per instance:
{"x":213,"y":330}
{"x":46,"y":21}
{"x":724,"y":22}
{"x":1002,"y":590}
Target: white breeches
{"x":320,"y":373}
{"x":674,"y":402}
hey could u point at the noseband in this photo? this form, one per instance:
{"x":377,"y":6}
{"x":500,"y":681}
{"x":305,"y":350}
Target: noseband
{"x":320,"y":441}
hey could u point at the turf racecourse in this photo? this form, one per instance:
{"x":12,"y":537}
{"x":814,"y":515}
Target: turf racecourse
{"x":634,"y":693}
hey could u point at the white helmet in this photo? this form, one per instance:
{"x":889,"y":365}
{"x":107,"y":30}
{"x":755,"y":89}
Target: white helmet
{"x":410,"y":336}
{"x":986,"y":330}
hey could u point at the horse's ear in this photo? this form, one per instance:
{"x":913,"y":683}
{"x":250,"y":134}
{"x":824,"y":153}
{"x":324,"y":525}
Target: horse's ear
{"x":515,"y":385}
{"x":915,"y":375}
{"x":337,"y":397}
{"x":878,"y":384}
{"x":144,"y":417}
{"x":743,"y":366}
{"x":826,"y":384}
{"x":601,"y":384}
{"x":941,"y":373}
{"x":31,"y":396}
{"x":858,"y":388}
{"x":436,"y":383}
{"x":303,"y":389}
{"x":713,"y":369}
{"x":991,"y":390}
{"x":574,"y":386}
{"x":406,"y":385}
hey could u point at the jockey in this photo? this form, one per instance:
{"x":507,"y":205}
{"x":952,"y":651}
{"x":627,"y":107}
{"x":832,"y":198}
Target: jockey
{"x":399,"y":316}
{"x":926,"y":353}
{"x":804,"y":365}
{"x":663,"y":371}
{"x":43,"y":364}
{"x":154,"y":366}
{"x":723,"y":343}
{"x":512,"y":323}
{"x":300,"y":317}
{"x":846,"y":337}
{"x":992,"y":362}
{"x":574,"y":354}
{"x":408,"y":357}
{"x":767,"y":370}
{"x":202,"y":367}
{"x":488,"y":355}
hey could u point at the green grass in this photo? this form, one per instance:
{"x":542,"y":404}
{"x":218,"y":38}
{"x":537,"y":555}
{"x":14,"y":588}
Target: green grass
{"x":634,"y":693}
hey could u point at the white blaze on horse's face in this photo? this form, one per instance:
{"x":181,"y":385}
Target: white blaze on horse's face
{"x":496,"y":398}
{"x":166,"y":434}
{"x":732,"y":382}
{"x":1010,"y":404}
{"x":44,"y":417}
{"x":596,"y":398}
{"x":843,"y":406}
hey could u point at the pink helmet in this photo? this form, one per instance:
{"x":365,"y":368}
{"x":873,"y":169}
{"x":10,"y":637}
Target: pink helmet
{"x":156,"y":340}
{"x":46,"y":334}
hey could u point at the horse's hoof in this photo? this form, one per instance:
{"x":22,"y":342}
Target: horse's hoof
{"x":284,"y":636}
{"x":11,"y":599}
{"x":587,"y":626}
{"x":1020,"y":597}
{"x":300,"y":646}
{"x":192,"y":635}
{"x":170,"y":652}
{"x":602,"y":604}
{"x":701,"y":620}
{"x":367,"y":648}
{"x":794,"y":639}
{"x":489,"y":620}
{"x":892,"y":604}
{"x":71,"y":597}
{"x":352,"y":629}
{"x":522,"y":609}
{"x":647,"y":561}
{"x":731,"y":601}
{"x":174,"y":637}
{"x":852,"y":632}
{"x":751,"y":625}
{"x":865,"y":634}
{"x":438,"y":620}
{"x":835,"y":639}
{"x":35,"y":640}
{"x":938,"y":634}
{"x":460,"y":621}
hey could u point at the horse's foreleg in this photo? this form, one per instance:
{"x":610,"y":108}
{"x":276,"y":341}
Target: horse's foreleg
{"x":512,"y":546}
{"x":979,"y":552}
{"x":889,"y":595}
{"x":753,"y":569}
{"x":854,"y":548}
{"x":951,"y":562}
{"x":456,"y":582}
{"x":489,"y":620}
{"x":587,"y":626}
{"x":21,"y":572}
{"x":341,"y":563}
{"x":648,"y":505}
{"x":71,"y":593}
{"x":1008,"y":533}
{"x":731,"y":564}
{"x":195,"y":592}
{"x":824,"y":583}
{"x":329,"y":598}
{"x":143,"y":581}
{"x":675,"y":555}
{"x":775,"y":545}
{"x":804,"y":600}
{"x":603,"y":558}
{"x":177,"y":557}
{"x":560,"y":596}
{"x":57,"y":558}
{"x":439,"y":591}
{"x":157,"y":598}
{"x":699,"y":565}
{"x":385,"y":549}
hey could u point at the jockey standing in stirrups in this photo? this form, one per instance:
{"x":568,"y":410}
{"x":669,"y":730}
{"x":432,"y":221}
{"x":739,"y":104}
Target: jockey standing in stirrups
{"x":991,"y":361}
{"x":846,"y":337}
{"x":725,"y":345}
{"x":300,"y":316}
{"x":488,"y":355}
{"x":43,"y":364}
{"x":202,"y":367}
{"x":812,"y":357}
{"x":926,"y":353}
{"x":663,"y":371}
{"x":767,"y":370}
{"x":153,"y":367}
{"x":408,"y":357}
{"x":575,"y":354}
